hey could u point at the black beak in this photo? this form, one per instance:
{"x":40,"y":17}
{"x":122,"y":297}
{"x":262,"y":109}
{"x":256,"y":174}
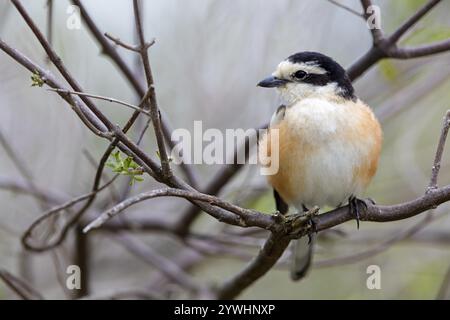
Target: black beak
{"x":272,"y":82}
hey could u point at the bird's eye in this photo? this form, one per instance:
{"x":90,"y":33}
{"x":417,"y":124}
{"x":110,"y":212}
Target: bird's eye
{"x":299,"y":75}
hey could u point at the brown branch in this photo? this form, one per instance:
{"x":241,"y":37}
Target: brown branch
{"x":219,"y":180}
{"x":381,"y":247}
{"x":125,"y":145}
{"x":134,"y":48}
{"x":154,"y":110}
{"x":439,"y":152}
{"x":420,"y":51}
{"x":408,"y":24}
{"x":377,"y":34}
{"x":50,"y":214}
{"x":247,"y":217}
{"x":386,"y":47}
{"x":80,"y":109}
{"x":56,"y":60}
{"x":49,"y":24}
{"x":109,"y":99}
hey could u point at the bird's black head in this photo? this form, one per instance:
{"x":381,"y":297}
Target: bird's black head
{"x":310,"y":73}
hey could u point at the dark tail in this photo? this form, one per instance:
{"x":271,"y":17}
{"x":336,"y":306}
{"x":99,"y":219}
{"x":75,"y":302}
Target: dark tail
{"x":302,"y":254}
{"x":302,"y":249}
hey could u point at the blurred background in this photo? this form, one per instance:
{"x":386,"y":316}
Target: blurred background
{"x":206,"y":62}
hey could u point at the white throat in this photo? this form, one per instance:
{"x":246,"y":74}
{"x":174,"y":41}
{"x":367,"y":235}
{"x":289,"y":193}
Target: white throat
{"x":294,"y":92}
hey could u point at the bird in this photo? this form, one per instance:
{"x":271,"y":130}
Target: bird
{"x":328,"y":142}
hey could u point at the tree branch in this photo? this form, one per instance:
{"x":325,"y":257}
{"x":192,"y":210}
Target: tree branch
{"x":408,"y":24}
{"x":154,"y":110}
{"x":439,"y":152}
{"x":383,"y":47}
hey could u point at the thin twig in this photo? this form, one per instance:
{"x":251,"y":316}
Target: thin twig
{"x":19,"y":163}
{"x":166,"y":266}
{"x":381,"y":247}
{"x":246,"y":215}
{"x":19,"y":286}
{"x":154,"y":110}
{"x":340,"y":5}
{"x":109,"y":99}
{"x":377,"y":34}
{"x":408,"y":24}
{"x":127,"y":46}
{"x":439,"y":153}
{"x":50,"y":213}
{"x":383,"y":47}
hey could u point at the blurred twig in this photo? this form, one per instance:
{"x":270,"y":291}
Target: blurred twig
{"x":50,"y":214}
{"x":445,"y":287}
{"x":153,"y":104}
{"x":19,"y":286}
{"x":170,"y":269}
{"x":340,"y":5}
{"x":126,"y":104}
{"x":440,"y":150}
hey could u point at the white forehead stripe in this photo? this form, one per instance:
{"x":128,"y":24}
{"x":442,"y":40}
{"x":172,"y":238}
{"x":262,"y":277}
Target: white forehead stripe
{"x":286,"y":68}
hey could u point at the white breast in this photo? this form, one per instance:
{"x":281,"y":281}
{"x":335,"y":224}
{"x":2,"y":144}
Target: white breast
{"x":317,"y":156}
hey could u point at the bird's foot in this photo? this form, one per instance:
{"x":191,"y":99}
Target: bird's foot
{"x":298,"y":221}
{"x":355,"y":205}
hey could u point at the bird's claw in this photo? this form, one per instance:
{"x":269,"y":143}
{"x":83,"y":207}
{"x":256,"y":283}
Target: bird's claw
{"x":355,"y":205}
{"x":299,"y":220}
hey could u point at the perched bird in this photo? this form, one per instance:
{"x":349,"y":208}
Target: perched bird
{"x":329,"y":141}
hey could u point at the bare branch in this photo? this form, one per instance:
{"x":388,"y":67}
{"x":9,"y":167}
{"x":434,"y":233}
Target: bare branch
{"x":134,"y":48}
{"x":387,"y":47}
{"x":130,"y":146}
{"x":219,"y":180}
{"x":126,"y":104}
{"x":420,"y":51}
{"x":381,"y":247}
{"x":49,"y":25}
{"x":50,"y":214}
{"x":154,"y":110}
{"x":377,"y":34}
{"x":408,"y":24}
{"x":84,"y":113}
{"x":248,"y":217}
{"x":439,"y":152}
